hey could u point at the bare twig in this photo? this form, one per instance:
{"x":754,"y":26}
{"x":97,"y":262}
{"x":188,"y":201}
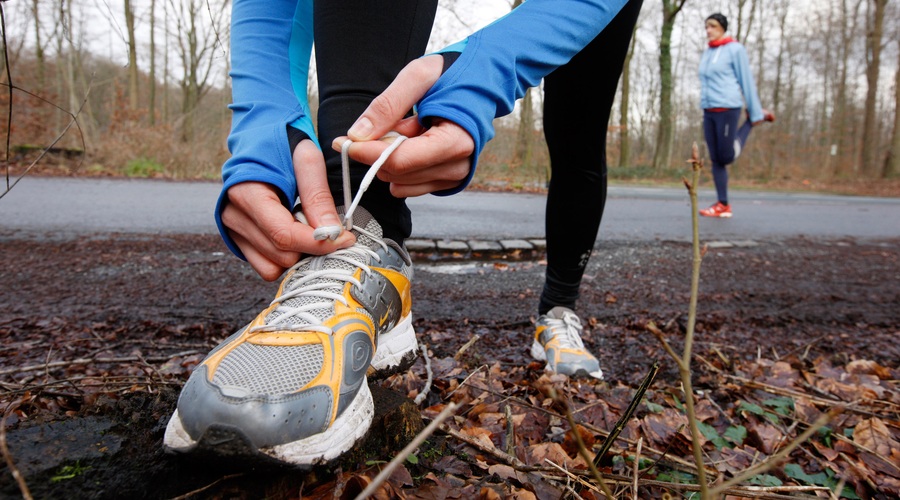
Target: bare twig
{"x":637,"y":461}
{"x":73,"y":121}
{"x":510,"y":433}
{"x":10,"y":464}
{"x":582,"y":450}
{"x":406,"y":452}
{"x":88,"y":361}
{"x":773,"y":460}
{"x":626,"y":416}
{"x":425,"y":390}
{"x":465,"y":347}
{"x":208,"y":486}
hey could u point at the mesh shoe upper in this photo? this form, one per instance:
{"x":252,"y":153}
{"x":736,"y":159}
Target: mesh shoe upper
{"x":557,"y":340}
{"x":301,"y":362}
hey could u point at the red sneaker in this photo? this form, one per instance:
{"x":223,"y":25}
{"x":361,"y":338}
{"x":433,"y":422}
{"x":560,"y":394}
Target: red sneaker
{"x":717,"y":210}
{"x":768,"y":115}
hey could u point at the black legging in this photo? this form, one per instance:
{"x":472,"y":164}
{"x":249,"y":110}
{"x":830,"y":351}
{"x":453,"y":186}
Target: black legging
{"x":576,"y":115}
{"x":361,"y":45}
{"x":359,"y":51}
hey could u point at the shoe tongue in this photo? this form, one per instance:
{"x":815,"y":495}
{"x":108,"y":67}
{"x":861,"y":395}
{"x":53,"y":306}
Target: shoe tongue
{"x":363,"y":219}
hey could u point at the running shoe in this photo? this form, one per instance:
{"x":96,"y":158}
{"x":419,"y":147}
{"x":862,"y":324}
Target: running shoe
{"x":292,"y":384}
{"x":557,"y":340}
{"x":719,"y":209}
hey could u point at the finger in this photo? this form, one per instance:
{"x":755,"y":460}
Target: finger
{"x":394,"y":103}
{"x":251,"y":239}
{"x":437,"y":146}
{"x":413,"y":190}
{"x":451,"y":171}
{"x":279,"y":229}
{"x":265,"y":268}
{"x":315,"y":195}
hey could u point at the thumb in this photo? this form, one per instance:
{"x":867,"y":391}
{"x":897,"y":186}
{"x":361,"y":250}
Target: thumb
{"x":395,"y":102}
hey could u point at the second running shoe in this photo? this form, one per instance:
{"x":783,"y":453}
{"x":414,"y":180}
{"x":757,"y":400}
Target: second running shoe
{"x":557,"y":339}
{"x":291,"y":385}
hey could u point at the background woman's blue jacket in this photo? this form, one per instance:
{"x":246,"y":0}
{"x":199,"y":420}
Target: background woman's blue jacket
{"x":726,"y":80}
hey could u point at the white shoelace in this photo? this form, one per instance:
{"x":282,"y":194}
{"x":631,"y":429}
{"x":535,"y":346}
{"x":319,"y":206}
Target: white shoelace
{"x":332,"y":232}
{"x":319,"y":288}
{"x":571,"y":327}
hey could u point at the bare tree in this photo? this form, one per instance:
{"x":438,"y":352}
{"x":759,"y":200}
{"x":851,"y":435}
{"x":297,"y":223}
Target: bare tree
{"x":870,"y":166}
{"x":152,"y":104}
{"x":666,"y":131}
{"x":624,"y":136}
{"x":132,"y":57}
{"x":196,"y":39}
{"x":524,"y":138}
{"x":892,"y":162}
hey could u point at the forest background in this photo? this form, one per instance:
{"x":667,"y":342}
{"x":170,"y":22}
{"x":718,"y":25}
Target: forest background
{"x":148,"y":83}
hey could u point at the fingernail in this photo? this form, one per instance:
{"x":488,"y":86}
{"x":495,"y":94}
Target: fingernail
{"x":330,"y":220}
{"x":361,"y":129}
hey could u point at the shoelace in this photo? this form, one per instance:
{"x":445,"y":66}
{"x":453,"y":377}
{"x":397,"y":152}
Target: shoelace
{"x":324,"y":285}
{"x":332,"y":232}
{"x":571,"y":330}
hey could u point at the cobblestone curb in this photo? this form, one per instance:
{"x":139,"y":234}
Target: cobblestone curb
{"x":444,"y":249}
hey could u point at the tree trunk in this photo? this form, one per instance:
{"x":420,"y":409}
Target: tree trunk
{"x":524,"y":142}
{"x":624,"y":136}
{"x":666,"y":131}
{"x":870,"y":166}
{"x":892,"y":162}
{"x":39,"y":47}
{"x":132,"y":57}
{"x":152,"y":104}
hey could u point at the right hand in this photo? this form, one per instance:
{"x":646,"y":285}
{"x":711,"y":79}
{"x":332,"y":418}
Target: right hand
{"x":433,"y":159}
{"x":267,"y":233}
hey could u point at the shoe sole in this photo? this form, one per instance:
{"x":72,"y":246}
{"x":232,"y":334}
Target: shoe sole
{"x":397,"y":350}
{"x":347,"y":430}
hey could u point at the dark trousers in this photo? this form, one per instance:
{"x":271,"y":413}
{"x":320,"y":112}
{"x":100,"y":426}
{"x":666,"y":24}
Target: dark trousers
{"x":361,"y":45}
{"x":576,"y":117}
{"x":576,"y":114}
{"x":725,"y":141}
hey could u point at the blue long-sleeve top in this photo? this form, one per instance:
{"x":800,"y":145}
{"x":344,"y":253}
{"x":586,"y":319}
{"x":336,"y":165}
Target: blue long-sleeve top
{"x":271,"y":41}
{"x":726,"y":80}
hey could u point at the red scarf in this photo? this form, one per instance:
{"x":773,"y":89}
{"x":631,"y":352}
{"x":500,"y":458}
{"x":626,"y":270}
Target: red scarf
{"x":721,"y":41}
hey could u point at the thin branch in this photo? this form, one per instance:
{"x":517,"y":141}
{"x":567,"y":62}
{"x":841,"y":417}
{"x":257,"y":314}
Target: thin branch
{"x":582,"y":450}
{"x":59,"y":137}
{"x":405,"y":452}
{"x":425,"y":390}
{"x":773,"y":460}
{"x":23,"y":486}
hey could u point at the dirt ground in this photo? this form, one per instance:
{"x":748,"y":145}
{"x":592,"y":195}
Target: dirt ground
{"x":98,"y":335}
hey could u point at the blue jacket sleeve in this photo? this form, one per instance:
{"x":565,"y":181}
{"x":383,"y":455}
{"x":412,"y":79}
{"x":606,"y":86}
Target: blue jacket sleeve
{"x":745,"y":77}
{"x":499,"y":62}
{"x":271,"y":42}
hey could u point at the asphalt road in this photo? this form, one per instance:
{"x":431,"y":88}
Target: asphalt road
{"x":69,"y":207}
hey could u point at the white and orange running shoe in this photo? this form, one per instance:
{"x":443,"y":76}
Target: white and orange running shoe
{"x":717,"y":210}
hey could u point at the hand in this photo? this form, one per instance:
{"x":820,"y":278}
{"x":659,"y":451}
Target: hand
{"x":432,"y":159}
{"x":267,"y":233}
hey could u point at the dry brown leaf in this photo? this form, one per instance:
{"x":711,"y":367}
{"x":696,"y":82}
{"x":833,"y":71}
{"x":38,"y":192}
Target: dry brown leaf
{"x":555,"y":453}
{"x":765,"y":435}
{"x":866,"y":367}
{"x":660,"y":428}
{"x":506,"y":473}
{"x":874,"y":435}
